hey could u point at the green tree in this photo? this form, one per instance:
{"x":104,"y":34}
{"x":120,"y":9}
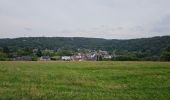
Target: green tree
{"x":39,"y":53}
{"x":6,"y":50}
{"x":166,"y":54}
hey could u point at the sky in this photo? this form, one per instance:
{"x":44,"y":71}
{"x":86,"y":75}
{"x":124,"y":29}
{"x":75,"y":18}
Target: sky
{"x":110,"y":19}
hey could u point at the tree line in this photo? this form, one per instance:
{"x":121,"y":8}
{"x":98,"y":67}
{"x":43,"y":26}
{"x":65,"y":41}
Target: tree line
{"x":155,"y":48}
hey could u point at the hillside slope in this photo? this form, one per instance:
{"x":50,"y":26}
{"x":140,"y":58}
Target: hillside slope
{"x":153,"y":45}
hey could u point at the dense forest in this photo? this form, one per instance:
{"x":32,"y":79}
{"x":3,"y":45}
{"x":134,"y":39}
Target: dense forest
{"x":145,"y":48}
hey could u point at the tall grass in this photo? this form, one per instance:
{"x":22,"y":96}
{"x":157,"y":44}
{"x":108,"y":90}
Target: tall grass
{"x":85,"y":80}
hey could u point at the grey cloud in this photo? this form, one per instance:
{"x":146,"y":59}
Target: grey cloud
{"x":86,"y":18}
{"x":163,"y":26}
{"x":28,"y":29}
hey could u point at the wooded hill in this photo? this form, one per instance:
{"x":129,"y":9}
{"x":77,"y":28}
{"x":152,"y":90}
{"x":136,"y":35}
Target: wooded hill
{"x":151,"y":46}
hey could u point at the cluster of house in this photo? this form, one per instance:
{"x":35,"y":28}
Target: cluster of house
{"x":92,"y":56}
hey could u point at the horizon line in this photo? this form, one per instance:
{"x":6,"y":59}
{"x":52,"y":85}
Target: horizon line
{"x":83,"y":37}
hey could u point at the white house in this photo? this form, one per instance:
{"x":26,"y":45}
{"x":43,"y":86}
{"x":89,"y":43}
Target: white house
{"x":107,"y":56}
{"x":66,"y":58}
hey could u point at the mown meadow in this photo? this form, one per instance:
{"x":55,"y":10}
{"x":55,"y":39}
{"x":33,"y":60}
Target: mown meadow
{"x":84,"y":80}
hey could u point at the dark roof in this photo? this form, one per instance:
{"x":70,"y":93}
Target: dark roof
{"x":45,"y":57}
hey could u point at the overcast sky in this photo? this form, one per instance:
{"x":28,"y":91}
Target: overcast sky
{"x":111,"y":19}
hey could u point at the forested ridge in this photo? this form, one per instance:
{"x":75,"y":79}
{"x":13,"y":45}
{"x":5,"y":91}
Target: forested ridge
{"x":143,"y":47}
{"x":153,"y":45}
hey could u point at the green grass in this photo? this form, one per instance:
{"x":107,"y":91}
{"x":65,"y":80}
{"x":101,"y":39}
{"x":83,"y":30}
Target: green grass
{"x":85,"y":80}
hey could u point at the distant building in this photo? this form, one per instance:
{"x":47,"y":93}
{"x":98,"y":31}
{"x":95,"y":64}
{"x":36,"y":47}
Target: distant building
{"x":103,"y":52}
{"x":107,"y":57}
{"x":35,"y":50}
{"x":23,"y":58}
{"x":45,"y":58}
{"x":76,"y":57}
{"x":91,"y":56}
{"x":66,"y":58}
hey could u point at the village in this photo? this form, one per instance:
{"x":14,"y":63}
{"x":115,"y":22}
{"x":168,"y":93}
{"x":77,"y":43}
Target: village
{"x":51,"y":55}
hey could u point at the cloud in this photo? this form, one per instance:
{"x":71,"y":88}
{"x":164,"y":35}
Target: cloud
{"x":85,"y":18}
{"x":28,"y":29}
{"x":162,"y":26}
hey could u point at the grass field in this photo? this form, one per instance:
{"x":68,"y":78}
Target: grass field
{"x":85,"y":80}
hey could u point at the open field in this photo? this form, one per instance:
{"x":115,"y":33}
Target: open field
{"x":85,"y":80}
